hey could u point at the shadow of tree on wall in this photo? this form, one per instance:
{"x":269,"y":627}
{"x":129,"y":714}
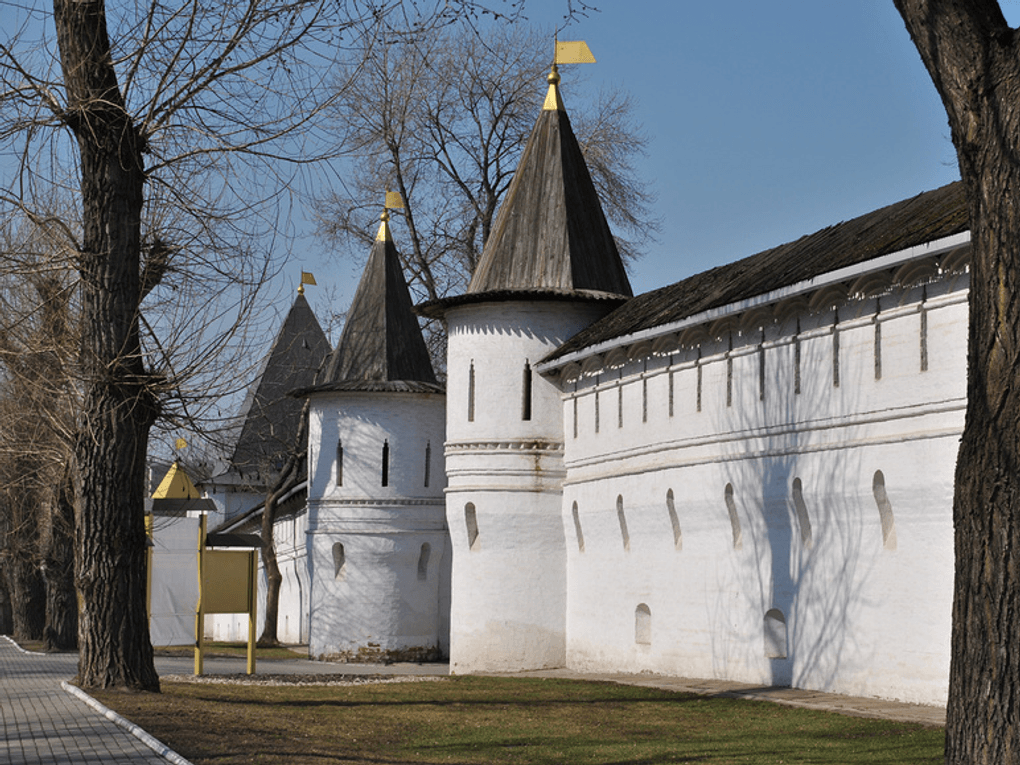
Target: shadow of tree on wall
{"x":794,"y":487}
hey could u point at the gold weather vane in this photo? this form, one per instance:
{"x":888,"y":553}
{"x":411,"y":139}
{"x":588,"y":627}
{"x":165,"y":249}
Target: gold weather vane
{"x":566,"y":52}
{"x":306,"y":278}
{"x":393,"y":202}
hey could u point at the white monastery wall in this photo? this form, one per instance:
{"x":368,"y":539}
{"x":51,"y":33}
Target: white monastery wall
{"x":786,"y":520}
{"x":505,"y":472}
{"x":377,"y":536}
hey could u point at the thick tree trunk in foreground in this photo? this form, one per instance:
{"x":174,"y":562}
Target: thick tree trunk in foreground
{"x":118,"y":407}
{"x":974,"y":61}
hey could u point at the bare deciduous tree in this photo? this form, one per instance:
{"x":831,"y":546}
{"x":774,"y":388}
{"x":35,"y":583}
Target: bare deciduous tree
{"x":443,"y":119}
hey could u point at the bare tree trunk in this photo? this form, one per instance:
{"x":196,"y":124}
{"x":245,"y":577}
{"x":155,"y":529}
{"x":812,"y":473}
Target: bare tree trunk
{"x":61,"y":632}
{"x":974,"y":60}
{"x":28,"y":598}
{"x":118,"y":408}
{"x":274,"y":578}
{"x":289,"y":478}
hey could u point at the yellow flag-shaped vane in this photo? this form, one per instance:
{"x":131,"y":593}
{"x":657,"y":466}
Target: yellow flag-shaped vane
{"x":573,"y":52}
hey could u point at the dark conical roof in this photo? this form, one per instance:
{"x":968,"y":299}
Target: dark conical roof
{"x":270,"y":417}
{"x":550,"y":233}
{"x":381,"y":340}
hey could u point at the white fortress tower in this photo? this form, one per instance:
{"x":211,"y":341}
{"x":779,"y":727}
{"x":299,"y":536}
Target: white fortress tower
{"x":549,"y":269}
{"x":377,"y":537}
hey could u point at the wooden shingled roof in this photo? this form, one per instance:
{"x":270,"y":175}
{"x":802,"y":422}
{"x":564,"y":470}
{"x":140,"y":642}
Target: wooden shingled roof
{"x":550,"y":239}
{"x":270,"y":417}
{"x":928,"y":216}
{"x":381,"y":341}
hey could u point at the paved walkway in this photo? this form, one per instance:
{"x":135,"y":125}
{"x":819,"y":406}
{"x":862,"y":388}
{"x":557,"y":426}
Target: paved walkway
{"x":44,"y":724}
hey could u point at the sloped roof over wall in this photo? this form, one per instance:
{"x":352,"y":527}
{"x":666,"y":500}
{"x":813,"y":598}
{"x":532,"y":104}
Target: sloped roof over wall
{"x":270,"y":416}
{"x":925,"y":218}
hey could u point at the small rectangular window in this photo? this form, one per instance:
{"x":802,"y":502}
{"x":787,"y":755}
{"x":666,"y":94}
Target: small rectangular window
{"x":386,"y":463}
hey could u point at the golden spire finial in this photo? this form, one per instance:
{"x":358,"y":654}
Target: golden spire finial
{"x":393,"y":202}
{"x":567,"y":52}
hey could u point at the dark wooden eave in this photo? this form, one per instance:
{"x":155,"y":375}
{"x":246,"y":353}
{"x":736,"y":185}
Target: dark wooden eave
{"x":925,"y":218}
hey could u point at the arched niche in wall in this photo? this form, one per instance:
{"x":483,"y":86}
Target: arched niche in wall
{"x":339,"y":561}
{"x":577,"y":528}
{"x":643,"y":624}
{"x":731,"y":508}
{"x":471,"y":524}
{"x":622,"y":518}
{"x":885,"y":511}
{"x":803,"y":520}
{"x":674,"y":521}
{"x":775,"y":634}
{"x":423,"y":561}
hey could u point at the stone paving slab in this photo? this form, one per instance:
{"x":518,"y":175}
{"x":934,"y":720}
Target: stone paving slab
{"x":42,"y":724}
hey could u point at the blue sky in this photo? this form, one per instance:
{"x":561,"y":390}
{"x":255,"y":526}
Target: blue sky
{"x":766,"y":121}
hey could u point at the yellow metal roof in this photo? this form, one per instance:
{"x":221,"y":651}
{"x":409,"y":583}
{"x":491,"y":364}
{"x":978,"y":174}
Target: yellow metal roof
{"x":176,"y":485}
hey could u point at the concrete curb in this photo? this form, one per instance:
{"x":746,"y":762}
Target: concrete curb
{"x":14,"y":643}
{"x":146,"y":738}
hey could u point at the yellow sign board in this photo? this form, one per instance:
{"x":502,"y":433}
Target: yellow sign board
{"x":226,"y":581}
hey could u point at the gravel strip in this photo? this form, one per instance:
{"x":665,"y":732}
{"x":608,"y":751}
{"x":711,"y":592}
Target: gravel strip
{"x":243,"y":679}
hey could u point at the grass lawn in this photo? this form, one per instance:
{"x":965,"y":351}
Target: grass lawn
{"x":481,"y":720}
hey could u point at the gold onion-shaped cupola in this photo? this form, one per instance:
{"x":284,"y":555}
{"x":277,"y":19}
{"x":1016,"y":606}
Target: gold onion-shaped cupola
{"x":381,"y":340}
{"x":551,"y":233}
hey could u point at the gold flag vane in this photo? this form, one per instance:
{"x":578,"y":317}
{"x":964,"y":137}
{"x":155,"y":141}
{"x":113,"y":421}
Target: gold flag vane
{"x":566,"y":52}
{"x":393,"y":202}
{"x":573,"y":52}
{"x":307,"y":277}
{"x":180,"y":443}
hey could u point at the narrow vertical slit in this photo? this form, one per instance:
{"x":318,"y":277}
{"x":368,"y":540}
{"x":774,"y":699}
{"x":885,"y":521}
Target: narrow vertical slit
{"x":729,"y":373}
{"x":619,"y":405}
{"x":670,"y":392}
{"x":339,"y":462}
{"x":471,"y":392}
{"x":878,"y":350}
{"x":729,"y":381}
{"x":386,"y":463}
{"x":878,"y":340}
{"x":835,"y":350}
{"x":796,"y":360}
{"x":526,"y":392}
{"x":597,"y":413}
{"x":924,"y":331}
{"x":644,"y":399}
{"x":699,"y":384}
{"x":428,"y":462}
{"x":575,"y":414}
{"x":761,"y":372}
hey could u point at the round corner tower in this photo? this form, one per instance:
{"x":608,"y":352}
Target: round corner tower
{"x":550,"y":268}
{"x":378,"y":546}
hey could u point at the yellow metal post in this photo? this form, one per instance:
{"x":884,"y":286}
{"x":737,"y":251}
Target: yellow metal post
{"x":253,"y":604}
{"x":199,"y":609}
{"x":148,"y":568}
